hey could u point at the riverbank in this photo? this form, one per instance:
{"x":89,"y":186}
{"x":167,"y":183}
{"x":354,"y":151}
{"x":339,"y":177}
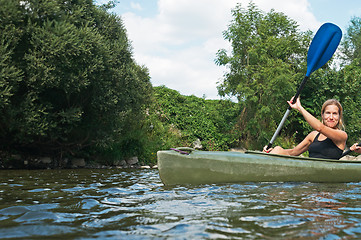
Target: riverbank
{"x":17,"y":161}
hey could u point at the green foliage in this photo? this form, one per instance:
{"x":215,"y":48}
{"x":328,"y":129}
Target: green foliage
{"x":351,"y":45}
{"x":348,"y":85}
{"x":68,"y":80}
{"x":347,"y":82}
{"x":188,"y":118}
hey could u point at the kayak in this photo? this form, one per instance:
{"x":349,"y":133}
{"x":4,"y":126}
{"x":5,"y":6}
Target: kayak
{"x":189,"y":166}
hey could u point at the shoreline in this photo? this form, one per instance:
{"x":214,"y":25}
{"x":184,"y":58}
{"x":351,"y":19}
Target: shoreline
{"x":19,"y":162}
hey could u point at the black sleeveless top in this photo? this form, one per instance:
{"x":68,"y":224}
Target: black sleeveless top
{"x":324,"y":149}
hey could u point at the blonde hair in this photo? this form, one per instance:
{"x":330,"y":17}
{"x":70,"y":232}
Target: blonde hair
{"x":340,"y":124}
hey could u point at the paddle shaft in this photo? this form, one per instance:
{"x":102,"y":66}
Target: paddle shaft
{"x":287,"y":112}
{"x":348,"y":151}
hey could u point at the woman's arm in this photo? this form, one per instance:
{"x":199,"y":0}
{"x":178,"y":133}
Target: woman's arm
{"x":303,"y":146}
{"x":300,"y":148}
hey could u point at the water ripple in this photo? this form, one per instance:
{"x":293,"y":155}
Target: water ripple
{"x":134,"y":204}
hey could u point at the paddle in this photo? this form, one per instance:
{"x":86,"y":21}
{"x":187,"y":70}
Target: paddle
{"x":321,"y":49}
{"x":348,"y":151}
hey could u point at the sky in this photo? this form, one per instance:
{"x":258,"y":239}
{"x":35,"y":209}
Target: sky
{"x":177,"y":40}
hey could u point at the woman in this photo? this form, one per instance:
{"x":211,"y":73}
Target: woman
{"x":327,"y":141}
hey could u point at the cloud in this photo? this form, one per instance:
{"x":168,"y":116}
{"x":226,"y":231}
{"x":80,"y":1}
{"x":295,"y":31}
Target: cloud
{"x":298,"y":10}
{"x":136,"y":6}
{"x":179,"y":43}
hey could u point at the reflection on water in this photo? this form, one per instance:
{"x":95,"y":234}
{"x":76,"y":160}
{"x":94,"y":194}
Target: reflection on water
{"x":134,"y":204}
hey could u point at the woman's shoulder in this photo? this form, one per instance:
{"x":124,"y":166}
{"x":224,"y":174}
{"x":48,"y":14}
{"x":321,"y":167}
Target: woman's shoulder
{"x":337,"y":135}
{"x":344,"y":134}
{"x":312,"y":135}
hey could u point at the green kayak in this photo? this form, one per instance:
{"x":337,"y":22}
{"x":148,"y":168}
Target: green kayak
{"x":187,"y":166}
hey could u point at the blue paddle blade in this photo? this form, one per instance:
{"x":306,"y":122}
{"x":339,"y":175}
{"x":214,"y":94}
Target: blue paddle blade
{"x":323,"y":46}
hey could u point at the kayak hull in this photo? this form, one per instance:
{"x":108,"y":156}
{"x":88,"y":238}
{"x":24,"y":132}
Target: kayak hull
{"x":206,"y":167}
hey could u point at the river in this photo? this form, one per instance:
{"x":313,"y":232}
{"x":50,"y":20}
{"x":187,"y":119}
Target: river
{"x":134,"y":204}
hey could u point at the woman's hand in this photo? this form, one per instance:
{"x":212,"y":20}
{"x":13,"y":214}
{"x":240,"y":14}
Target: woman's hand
{"x":267,"y":150}
{"x":355,"y":148}
{"x":297,"y":105}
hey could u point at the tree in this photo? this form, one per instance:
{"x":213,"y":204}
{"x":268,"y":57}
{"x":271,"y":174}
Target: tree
{"x":349,"y":79}
{"x":68,"y":79}
{"x":265,"y":66}
{"x":351,"y":45}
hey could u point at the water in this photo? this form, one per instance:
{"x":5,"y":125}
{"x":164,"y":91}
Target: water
{"x":119,"y":204}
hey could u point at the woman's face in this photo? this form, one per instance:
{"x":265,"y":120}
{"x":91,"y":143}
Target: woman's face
{"x":331,"y":116}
